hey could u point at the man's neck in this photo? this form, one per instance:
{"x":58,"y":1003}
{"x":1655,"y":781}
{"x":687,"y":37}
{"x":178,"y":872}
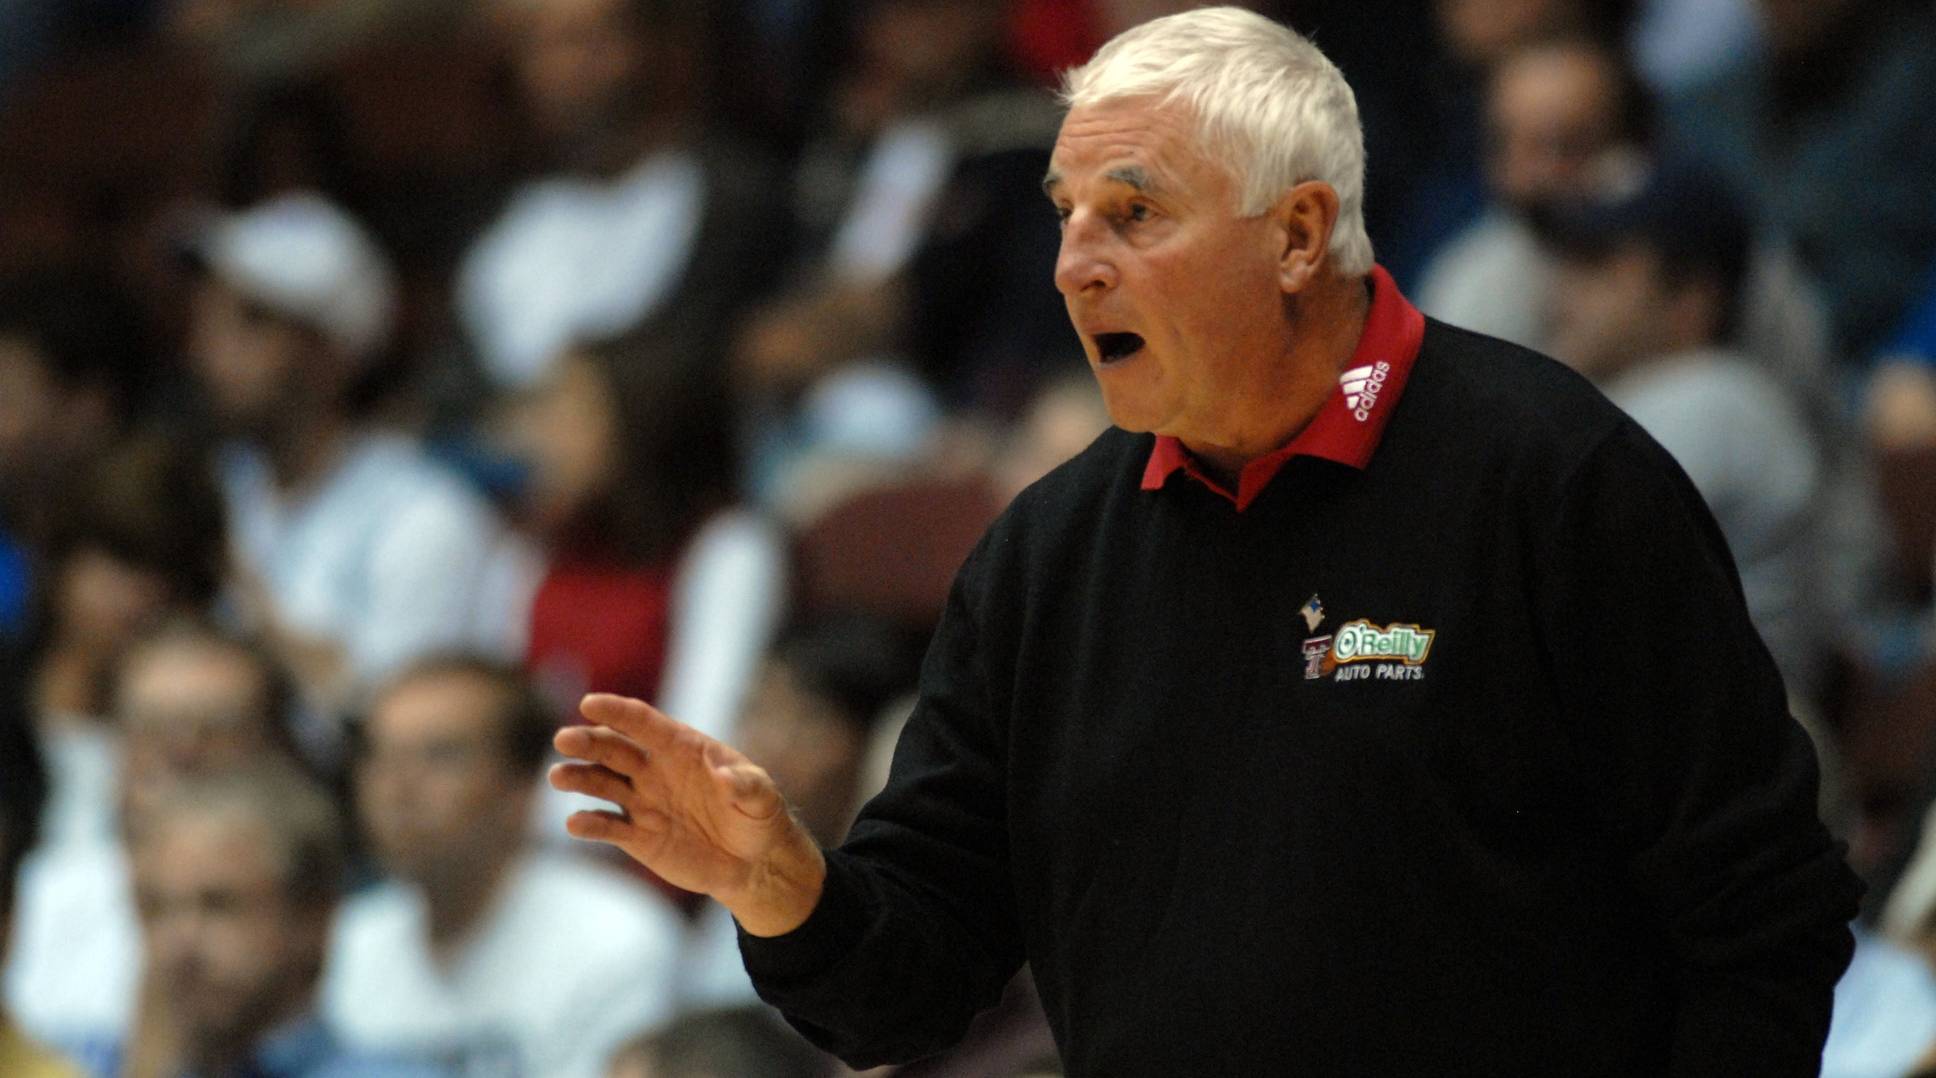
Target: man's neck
{"x":67,"y":684}
{"x":612,"y":156}
{"x":455,"y":908}
{"x":1327,"y":321}
{"x":303,"y":452}
{"x":241,"y":1055}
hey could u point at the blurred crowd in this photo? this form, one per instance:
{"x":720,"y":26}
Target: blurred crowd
{"x":378,"y":376}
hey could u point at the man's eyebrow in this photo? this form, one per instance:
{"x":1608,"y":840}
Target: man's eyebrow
{"x":1131,"y":176}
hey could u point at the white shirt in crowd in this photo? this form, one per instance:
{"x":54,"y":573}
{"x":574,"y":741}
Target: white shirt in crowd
{"x":391,"y":556}
{"x":573,"y":960}
{"x":74,"y":966}
{"x":574,"y":259}
{"x":1745,"y":445}
{"x":1885,"y":1012}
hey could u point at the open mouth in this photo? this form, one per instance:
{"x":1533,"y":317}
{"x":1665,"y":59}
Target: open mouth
{"x":1115,"y":347}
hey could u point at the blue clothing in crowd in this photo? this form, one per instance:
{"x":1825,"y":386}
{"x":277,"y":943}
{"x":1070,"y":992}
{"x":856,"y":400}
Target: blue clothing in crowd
{"x":302,"y":1049}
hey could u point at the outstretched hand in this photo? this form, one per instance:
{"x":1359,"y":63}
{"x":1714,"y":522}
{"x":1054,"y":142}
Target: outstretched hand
{"x":692,"y":809}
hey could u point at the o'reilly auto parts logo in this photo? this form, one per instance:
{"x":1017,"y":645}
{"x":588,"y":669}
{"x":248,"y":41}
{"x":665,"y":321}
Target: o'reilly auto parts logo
{"x":1363,"y":649}
{"x":1361,"y":386}
{"x":1361,"y":641}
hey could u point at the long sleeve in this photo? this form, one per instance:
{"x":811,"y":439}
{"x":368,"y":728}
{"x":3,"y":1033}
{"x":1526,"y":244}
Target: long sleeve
{"x":916,"y":930}
{"x":1690,"y":763}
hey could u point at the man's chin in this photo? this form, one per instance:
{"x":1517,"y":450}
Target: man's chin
{"x":212,"y":1031}
{"x":1129,"y":414}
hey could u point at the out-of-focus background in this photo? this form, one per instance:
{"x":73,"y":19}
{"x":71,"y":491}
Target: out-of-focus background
{"x":377,"y":376}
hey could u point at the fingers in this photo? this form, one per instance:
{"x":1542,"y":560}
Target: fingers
{"x":600,"y":746}
{"x":617,"y":828}
{"x":594,"y":781}
{"x":651,"y":728}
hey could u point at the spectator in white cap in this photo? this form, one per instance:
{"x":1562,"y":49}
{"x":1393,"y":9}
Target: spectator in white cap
{"x":355,"y":552}
{"x":310,"y":262}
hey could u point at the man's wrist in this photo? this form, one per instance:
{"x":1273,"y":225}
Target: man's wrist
{"x":784,"y":889}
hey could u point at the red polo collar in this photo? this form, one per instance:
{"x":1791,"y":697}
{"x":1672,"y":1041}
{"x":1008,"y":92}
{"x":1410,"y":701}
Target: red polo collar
{"x":1351,"y":421}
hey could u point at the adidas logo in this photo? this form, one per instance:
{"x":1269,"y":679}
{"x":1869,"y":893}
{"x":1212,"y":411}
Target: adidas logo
{"x":1361,"y":386}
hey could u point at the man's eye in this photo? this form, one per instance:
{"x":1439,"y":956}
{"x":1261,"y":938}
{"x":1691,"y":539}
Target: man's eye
{"x":1137,"y":212}
{"x":1062,"y":215}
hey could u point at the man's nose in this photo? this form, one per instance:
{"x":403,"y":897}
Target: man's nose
{"x":172,"y":934}
{"x":1081,"y":264}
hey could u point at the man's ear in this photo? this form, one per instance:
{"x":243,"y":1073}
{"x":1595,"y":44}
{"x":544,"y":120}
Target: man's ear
{"x":1305,"y":216}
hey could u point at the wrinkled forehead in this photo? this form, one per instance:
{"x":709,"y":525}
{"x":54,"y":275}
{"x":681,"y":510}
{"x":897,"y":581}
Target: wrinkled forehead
{"x":1144,"y":144}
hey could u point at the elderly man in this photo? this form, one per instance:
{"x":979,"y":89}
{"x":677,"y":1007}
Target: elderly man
{"x":190,"y":702}
{"x":237,"y":877}
{"x":1386,"y":705}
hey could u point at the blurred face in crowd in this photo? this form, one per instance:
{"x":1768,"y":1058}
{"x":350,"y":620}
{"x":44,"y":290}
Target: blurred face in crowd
{"x":583,"y":65}
{"x":28,"y":401}
{"x":256,"y":367}
{"x":187,"y":707}
{"x":437,"y":792}
{"x":568,"y":432}
{"x":1552,"y":124}
{"x":1481,"y":31}
{"x":812,"y":750}
{"x":44,"y":425}
{"x":1177,"y":299}
{"x":1611,"y":310}
{"x":928,"y":45}
{"x":236,"y":953}
{"x":102,"y":601}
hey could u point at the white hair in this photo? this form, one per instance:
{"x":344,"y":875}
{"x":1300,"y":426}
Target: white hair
{"x":1269,"y":106}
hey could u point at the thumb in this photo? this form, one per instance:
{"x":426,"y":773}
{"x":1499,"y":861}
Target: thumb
{"x":749,"y":789}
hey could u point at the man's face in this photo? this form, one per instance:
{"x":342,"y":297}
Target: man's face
{"x":251,"y":364}
{"x":1176,"y":297}
{"x":927,"y":44}
{"x":235,"y":955}
{"x":582,"y":64}
{"x":1479,"y":32}
{"x":1609,"y":311}
{"x":29,"y":399}
{"x":1551,"y":125}
{"x":436,"y":793}
{"x":187,"y":708}
{"x":568,"y":431}
{"x":102,"y":602}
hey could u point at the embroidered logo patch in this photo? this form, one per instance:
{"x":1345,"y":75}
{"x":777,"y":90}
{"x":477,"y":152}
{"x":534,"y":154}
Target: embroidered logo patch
{"x":1361,"y":641}
{"x":1362,"y":649}
{"x":1317,"y":655}
{"x":1361,"y":386}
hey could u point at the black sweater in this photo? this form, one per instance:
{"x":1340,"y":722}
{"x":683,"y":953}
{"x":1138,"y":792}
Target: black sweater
{"x":1570,"y":831}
